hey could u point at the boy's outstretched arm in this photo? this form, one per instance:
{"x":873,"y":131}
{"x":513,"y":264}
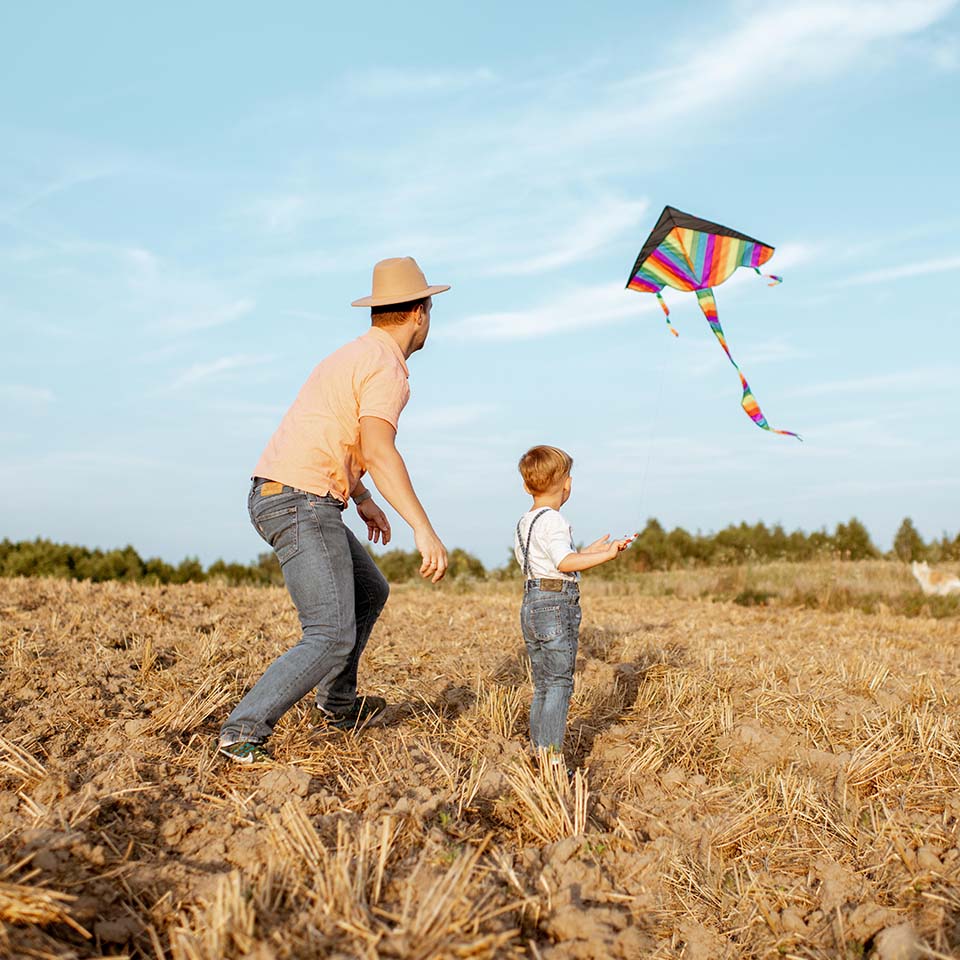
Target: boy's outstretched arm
{"x":389,"y":473}
{"x":598,"y":552}
{"x":604,"y":543}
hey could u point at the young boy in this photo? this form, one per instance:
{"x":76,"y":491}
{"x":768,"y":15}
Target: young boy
{"x":550,"y":612}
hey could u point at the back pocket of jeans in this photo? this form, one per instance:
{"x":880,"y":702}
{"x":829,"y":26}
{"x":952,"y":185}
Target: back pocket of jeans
{"x":546,"y":622}
{"x":281,"y":530}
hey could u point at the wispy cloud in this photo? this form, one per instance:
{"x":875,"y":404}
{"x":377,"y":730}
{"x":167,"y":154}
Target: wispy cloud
{"x":916,"y":485}
{"x":598,"y":226}
{"x":927,"y":377}
{"x":481,"y":241}
{"x":704,"y":356}
{"x":555,"y":138}
{"x":201,"y":318}
{"x":216,"y":369}
{"x":792,"y":254}
{"x":920,"y":269}
{"x":26,"y":397}
{"x":760,"y":55}
{"x":452,"y":416}
{"x":579,"y":308}
{"x":34,"y":196}
{"x":946,"y":54}
{"x":783,"y":45}
{"x":384,"y":82}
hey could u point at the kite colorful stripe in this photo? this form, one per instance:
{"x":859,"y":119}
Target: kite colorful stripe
{"x":691,"y":260}
{"x":749,"y":403}
{"x":690,"y":254}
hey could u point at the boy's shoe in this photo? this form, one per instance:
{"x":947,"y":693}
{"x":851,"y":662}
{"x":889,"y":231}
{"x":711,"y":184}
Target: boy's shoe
{"x":246,"y":752}
{"x":364,"y":712}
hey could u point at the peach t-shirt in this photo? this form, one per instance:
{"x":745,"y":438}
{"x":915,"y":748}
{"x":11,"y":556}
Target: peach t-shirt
{"x":317,"y":445}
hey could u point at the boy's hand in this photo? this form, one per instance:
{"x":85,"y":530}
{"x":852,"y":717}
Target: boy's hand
{"x":606,"y":545}
{"x":598,"y":546}
{"x":376,"y":520}
{"x":618,"y":546}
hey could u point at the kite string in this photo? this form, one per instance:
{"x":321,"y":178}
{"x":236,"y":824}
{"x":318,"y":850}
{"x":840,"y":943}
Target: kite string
{"x":655,"y":422}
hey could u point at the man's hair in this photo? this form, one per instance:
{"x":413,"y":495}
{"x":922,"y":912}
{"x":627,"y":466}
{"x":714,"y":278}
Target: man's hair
{"x":393,"y":314}
{"x":544,"y":468}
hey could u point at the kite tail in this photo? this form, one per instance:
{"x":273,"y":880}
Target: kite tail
{"x":749,"y":403}
{"x":666,"y":313}
{"x":769,"y":276}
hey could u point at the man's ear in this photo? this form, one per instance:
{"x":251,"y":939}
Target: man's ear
{"x":527,"y":489}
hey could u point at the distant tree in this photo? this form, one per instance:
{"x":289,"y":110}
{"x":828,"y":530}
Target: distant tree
{"x":463,"y":564}
{"x":647,"y":551}
{"x":268,"y":568}
{"x":233,"y":574}
{"x":779,"y":543}
{"x":188,"y":571}
{"x":100,"y":566}
{"x":510,"y":570}
{"x":852,"y":541}
{"x":156,"y":570}
{"x":399,"y":566}
{"x":908,"y":545}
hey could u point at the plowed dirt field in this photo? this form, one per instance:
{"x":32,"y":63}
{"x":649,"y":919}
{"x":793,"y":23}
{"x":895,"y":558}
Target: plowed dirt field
{"x":752,"y":782}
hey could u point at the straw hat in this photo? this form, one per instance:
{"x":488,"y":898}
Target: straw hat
{"x":398,"y":280}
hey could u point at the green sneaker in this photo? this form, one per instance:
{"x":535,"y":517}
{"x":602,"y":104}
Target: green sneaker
{"x":246,"y":752}
{"x":364,"y":712}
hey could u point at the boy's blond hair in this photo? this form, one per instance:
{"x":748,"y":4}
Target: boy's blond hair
{"x":544,"y":468}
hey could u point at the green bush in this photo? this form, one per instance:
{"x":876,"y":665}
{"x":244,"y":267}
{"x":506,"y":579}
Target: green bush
{"x":43,"y":558}
{"x":399,"y":566}
{"x":908,"y":545}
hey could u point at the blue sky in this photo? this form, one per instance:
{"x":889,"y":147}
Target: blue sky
{"x":191,"y":196}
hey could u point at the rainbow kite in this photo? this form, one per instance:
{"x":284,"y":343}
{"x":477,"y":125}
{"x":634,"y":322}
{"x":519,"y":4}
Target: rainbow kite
{"x":688,"y":253}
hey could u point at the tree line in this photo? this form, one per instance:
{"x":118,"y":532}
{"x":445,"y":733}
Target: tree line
{"x":654,"y":549}
{"x":657,"y":549}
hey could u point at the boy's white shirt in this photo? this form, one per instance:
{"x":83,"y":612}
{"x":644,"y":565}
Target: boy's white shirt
{"x":552,"y":540}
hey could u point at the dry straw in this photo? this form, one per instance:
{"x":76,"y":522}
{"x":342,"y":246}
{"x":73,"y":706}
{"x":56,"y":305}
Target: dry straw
{"x":766,"y":778}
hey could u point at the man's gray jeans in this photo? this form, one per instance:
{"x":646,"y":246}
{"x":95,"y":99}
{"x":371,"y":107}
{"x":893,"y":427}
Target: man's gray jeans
{"x":338,"y":592}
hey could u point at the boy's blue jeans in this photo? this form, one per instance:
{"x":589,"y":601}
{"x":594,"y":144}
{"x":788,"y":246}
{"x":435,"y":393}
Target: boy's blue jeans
{"x":338,"y":592}
{"x":550,"y":622}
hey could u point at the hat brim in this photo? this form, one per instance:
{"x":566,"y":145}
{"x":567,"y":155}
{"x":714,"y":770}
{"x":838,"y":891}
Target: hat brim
{"x":406,"y":298}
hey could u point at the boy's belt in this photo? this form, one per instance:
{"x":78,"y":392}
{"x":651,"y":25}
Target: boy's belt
{"x":551,"y":586}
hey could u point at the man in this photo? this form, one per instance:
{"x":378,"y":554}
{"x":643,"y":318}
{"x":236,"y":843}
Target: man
{"x":342,"y":424}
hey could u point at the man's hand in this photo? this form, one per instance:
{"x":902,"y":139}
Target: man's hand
{"x":434,"y":555}
{"x":378,"y":526}
{"x":389,"y":473}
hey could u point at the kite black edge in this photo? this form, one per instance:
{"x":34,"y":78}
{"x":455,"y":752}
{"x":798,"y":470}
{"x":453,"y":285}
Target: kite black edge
{"x":672,"y":217}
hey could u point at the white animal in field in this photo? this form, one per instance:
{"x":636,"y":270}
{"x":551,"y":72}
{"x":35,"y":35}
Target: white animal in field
{"x":933,"y":582}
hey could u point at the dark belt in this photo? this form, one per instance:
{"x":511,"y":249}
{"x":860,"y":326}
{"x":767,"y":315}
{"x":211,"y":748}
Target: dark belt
{"x":551,"y":586}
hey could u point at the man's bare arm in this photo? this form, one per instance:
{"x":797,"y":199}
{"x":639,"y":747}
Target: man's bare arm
{"x":389,"y":473}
